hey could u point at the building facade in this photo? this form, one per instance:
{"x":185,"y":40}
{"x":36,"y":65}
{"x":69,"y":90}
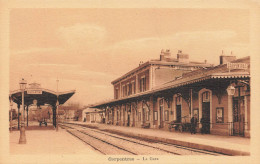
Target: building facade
{"x":154,"y":73}
{"x":161,"y":91}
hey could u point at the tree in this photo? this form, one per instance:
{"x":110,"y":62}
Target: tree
{"x":72,"y":110}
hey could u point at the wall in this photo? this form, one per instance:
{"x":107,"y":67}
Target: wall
{"x":220,"y":128}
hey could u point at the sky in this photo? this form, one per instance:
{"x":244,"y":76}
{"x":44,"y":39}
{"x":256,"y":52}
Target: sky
{"x":86,"y":49}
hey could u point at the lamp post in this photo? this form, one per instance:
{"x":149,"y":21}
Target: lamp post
{"x":231,"y":92}
{"x":11,"y":117}
{"x":22,"y":139}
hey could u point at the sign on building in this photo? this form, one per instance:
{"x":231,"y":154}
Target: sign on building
{"x":237,"y":65}
{"x":34,"y":92}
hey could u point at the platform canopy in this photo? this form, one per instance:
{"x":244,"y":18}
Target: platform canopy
{"x":37,"y":95}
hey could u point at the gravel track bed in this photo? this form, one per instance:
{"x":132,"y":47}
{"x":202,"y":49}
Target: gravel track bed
{"x":164,"y":146}
{"x":99,"y":145}
{"x":134,"y":147}
{"x":139,"y":146}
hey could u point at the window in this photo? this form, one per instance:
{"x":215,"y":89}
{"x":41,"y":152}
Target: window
{"x":123,"y":91}
{"x":139,"y":116}
{"x":147,"y":115}
{"x":116,"y":93}
{"x":161,"y":102}
{"x":178,"y":100}
{"x":169,"y":104}
{"x":133,"y":87}
{"x":205,"y":97}
{"x":129,"y":89}
{"x":219,"y":115}
{"x":155,"y":116}
{"x":142,"y":84}
{"x":166,"y":115}
{"x":124,"y":88}
{"x":117,"y":115}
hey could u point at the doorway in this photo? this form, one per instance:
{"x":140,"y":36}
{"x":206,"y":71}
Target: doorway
{"x":206,"y":117}
{"x":161,"y":113}
{"x":128,"y":119}
{"x":178,"y":113}
{"x":238,"y":116}
{"x":205,"y":121}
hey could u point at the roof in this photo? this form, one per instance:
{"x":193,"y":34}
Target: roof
{"x":217,"y":72}
{"x":44,"y":96}
{"x":91,"y":110}
{"x":163,"y":63}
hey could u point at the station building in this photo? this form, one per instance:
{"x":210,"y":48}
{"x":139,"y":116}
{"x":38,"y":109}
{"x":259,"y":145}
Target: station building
{"x":158,"y":92}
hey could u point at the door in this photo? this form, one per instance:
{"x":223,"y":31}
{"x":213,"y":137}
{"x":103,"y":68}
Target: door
{"x":161,"y":116}
{"x":143,"y":115}
{"x":206,"y":116}
{"x":113,"y":113}
{"x":178,"y":113}
{"x":88,"y":118}
{"x":128,"y":119}
{"x":133,"y":115}
{"x":238,"y":117}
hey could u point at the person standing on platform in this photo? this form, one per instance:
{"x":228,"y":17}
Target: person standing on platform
{"x":193,"y":122}
{"x":203,"y":123}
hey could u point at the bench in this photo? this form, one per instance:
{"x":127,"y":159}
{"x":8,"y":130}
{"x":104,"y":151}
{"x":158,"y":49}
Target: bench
{"x":146,"y":125}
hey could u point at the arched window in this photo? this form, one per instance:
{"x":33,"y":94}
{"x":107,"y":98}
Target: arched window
{"x":205,"y":96}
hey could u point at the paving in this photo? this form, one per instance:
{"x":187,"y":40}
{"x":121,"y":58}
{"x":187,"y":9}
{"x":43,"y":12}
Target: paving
{"x":230,"y":145}
{"x":46,"y":141}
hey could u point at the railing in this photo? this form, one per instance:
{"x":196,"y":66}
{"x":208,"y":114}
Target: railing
{"x":230,"y":126}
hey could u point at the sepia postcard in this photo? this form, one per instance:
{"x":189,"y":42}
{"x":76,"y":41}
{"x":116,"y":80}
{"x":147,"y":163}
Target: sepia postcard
{"x":129,"y":81}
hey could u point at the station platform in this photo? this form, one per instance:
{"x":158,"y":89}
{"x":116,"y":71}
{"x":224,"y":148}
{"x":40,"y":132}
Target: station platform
{"x":47,"y":141}
{"x":230,"y":145}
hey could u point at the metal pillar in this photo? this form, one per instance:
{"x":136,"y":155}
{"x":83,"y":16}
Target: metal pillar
{"x":18,"y":116}
{"x":27,"y":114}
{"x":54,"y":115}
{"x":22,"y":139}
{"x":151,"y":111}
{"x":57,"y":115}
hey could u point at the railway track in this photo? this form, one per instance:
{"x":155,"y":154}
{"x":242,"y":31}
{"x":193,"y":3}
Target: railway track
{"x":114,"y":144}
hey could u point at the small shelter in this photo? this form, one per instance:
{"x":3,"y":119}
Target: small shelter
{"x":36,"y":95}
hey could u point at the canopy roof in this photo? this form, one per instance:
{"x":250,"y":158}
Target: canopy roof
{"x":41,"y":95}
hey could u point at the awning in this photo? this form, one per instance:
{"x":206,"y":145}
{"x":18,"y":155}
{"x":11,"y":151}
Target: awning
{"x":41,"y":96}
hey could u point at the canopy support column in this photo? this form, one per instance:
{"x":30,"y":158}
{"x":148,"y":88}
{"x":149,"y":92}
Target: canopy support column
{"x":18,"y":116}
{"x":27,"y":114}
{"x":54,"y":115}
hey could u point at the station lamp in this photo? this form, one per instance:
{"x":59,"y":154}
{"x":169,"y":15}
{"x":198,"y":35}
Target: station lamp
{"x":231,"y":90}
{"x":22,"y":139}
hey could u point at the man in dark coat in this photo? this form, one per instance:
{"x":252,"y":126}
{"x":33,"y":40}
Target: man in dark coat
{"x":193,"y":122}
{"x":203,"y":125}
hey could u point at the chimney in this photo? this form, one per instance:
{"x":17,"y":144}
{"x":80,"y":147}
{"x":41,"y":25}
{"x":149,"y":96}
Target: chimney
{"x":182,"y":58}
{"x":165,"y":54}
{"x":223,"y":59}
